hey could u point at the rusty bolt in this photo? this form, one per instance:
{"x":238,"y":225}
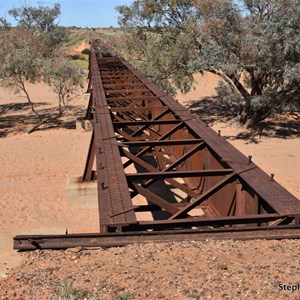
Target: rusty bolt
{"x":249,"y":159}
{"x":104,"y":185}
{"x":272,"y":176}
{"x":219,"y":132}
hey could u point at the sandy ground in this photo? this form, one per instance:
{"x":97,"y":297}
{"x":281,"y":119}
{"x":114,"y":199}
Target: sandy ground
{"x":34,"y":174}
{"x":78,"y":48}
{"x":35,"y":170}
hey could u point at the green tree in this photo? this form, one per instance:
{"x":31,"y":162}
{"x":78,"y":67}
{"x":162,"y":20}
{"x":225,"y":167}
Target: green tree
{"x":253,"y":47}
{"x":4,"y":24}
{"x":22,"y":61}
{"x":44,"y":19}
{"x":30,"y":54}
{"x":65,"y":79}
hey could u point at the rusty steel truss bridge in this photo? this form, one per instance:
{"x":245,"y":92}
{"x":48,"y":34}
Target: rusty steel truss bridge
{"x":164,"y":175}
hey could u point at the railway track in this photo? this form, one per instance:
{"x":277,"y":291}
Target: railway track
{"x":163,"y":174}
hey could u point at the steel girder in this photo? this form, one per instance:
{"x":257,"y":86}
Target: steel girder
{"x":163,"y":174}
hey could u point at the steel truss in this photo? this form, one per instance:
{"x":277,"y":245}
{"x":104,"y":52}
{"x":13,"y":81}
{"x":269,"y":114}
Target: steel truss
{"x":194,"y":184}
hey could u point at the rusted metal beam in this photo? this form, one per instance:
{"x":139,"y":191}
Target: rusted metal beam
{"x":177,"y":174}
{"x":185,"y":210}
{"x":88,"y":174}
{"x":127,"y":91}
{"x":135,"y":122}
{"x":109,"y":162}
{"x":155,"y":199}
{"x":147,"y":123}
{"x":131,"y":98}
{"x":162,"y":143}
{"x":149,"y":167}
{"x":135,"y":109}
{"x":36,"y":242}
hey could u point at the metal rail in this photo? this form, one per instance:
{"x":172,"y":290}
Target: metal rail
{"x":149,"y":154}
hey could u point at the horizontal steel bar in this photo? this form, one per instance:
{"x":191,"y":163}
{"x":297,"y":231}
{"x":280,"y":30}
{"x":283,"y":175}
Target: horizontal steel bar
{"x":112,"y":80}
{"x":33,"y":242}
{"x":177,"y":174}
{"x":163,"y":142}
{"x":136,"y":108}
{"x":226,"y":220}
{"x":127,"y":91}
{"x":127,"y":76}
{"x":154,"y":207}
{"x":111,"y":72}
{"x":130,"y":85}
{"x":132,"y":98}
{"x":141,"y":122}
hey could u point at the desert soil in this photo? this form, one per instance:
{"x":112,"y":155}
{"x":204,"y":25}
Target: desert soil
{"x":34,"y":174}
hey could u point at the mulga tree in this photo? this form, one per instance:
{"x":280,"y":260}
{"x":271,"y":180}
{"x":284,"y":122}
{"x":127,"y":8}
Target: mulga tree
{"x":252,"y":45}
{"x":43,"y":19}
{"x":30,"y":54}
{"x":22,"y":61}
{"x":65,"y":79}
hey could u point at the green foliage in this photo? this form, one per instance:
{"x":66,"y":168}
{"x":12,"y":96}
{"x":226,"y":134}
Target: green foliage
{"x":30,"y":54}
{"x":4,"y":24}
{"x":69,"y":292}
{"x":57,"y":36}
{"x":64,"y":78}
{"x":81,"y":63}
{"x":42,"y":19}
{"x":21,"y":62}
{"x":86,"y":51}
{"x":191,"y":294}
{"x":124,"y":296}
{"x":75,"y":57}
{"x":253,"y":47}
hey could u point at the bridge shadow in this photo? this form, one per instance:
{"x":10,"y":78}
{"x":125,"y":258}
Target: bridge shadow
{"x":16,"y":118}
{"x":212,"y":110}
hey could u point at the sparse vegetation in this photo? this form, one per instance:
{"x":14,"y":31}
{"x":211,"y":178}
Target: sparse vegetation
{"x":253,"y":46}
{"x":22,"y":63}
{"x":31,"y":55}
{"x":124,"y":296}
{"x":42,"y":19}
{"x":86,"y":51}
{"x":193,"y":294}
{"x":69,"y":292}
{"x":64,"y":79}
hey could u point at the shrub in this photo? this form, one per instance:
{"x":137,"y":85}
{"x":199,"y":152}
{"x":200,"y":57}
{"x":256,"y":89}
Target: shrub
{"x":86,"y":51}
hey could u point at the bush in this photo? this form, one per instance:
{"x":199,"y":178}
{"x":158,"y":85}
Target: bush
{"x":86,"y":51}
{"x":75,"y":57}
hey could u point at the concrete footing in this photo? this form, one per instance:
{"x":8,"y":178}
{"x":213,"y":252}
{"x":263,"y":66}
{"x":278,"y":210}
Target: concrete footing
{"x":84,"y":125}
{"x":82,"y":194}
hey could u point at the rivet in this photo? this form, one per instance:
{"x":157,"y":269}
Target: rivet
{"x":104,"y":185}
{"x":249,"y":159}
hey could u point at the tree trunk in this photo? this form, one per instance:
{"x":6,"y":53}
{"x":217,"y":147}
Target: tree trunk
{"x":29,"y":100}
